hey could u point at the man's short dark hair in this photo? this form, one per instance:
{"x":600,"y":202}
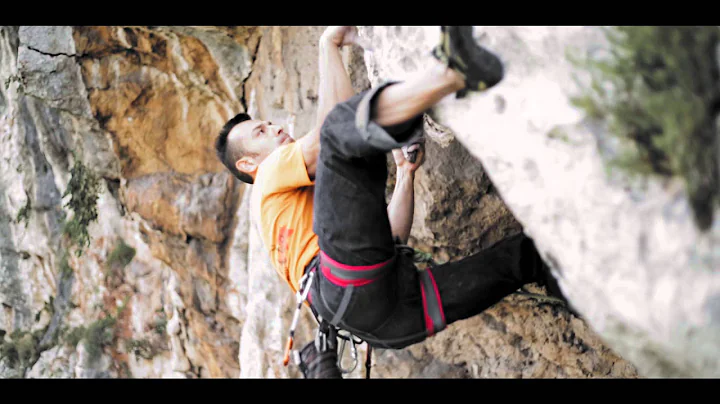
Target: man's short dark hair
{"x":229,"y":155}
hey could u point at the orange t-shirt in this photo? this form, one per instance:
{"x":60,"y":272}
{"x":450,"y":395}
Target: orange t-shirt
{"x":283,"y":196}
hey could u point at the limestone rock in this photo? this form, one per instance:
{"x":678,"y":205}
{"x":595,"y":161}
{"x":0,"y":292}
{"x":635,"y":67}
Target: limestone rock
{"x":53,"y":40}
{"x":174,"y":259}
{"x":158,"y":93}
{"x":631,"y":260}
{"x":180,"y":207}
{"x":55,"y":87}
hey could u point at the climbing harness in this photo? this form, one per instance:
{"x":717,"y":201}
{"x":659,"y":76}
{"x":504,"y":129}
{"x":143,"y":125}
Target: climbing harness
{"x":323,"y":357}
{"x":313,"y":358}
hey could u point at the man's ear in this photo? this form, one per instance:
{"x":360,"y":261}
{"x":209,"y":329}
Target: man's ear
{"x":246,"y":165}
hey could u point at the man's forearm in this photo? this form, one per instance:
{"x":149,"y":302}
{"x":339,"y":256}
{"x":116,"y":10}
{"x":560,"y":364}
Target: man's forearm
{"x":402,"y":206}
{"x":335,"y":86}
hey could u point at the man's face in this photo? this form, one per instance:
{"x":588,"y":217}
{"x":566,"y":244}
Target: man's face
{"x":258,"y":139}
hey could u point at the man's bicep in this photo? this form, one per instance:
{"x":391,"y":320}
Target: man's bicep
{"x":310,"y":148}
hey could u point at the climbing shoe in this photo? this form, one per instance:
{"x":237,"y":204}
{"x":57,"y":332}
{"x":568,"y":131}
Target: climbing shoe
{"x":480,"y":68}
{"x":316,"y":364}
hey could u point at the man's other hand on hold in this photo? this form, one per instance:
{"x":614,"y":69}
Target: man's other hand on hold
{"x":418,"y":149}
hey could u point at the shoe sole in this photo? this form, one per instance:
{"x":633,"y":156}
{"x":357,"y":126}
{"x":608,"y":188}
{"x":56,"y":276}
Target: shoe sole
{"x":457,"y":45}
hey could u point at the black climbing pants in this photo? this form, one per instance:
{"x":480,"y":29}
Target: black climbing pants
{"x":363,"y":283}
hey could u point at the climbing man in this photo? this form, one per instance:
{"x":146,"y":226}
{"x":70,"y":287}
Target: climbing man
{"x":322,"y":214}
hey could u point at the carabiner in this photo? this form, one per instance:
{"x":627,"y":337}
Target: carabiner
{"x":353,"y":353}
{"x":301,"y":295}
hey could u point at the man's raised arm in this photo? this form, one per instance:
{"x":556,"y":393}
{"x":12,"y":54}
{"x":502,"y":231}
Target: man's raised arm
{"x":402,"y":205}
{"x":334,"y":87}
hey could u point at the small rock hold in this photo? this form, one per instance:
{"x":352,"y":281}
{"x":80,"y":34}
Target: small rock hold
{"x":500,"y":104}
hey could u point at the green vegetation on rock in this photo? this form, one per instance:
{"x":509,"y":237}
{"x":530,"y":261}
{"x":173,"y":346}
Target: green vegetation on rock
{"x":74,"y":336}
{"x":121,"y":255}
{"x":99,"y":334}
{"x":160,"y":322}
{"x":142,"y":348}
{"x":21,"y":349}
{"x":65,"y":268}
{"x":24,"y":212}
{"x":14,"y":78}
{"x":83,"y":189}
{"x":659,"y":92}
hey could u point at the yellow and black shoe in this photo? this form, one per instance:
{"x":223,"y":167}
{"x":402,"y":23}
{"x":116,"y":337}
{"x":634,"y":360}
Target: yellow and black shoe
{"x":480,"y":68}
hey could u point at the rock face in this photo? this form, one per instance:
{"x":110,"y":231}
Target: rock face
{"x":151,"y":295}
{"x":175,"y":283}
{"x":629,"y":257}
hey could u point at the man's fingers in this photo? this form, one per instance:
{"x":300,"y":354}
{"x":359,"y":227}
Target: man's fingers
{"x":410,"y":153}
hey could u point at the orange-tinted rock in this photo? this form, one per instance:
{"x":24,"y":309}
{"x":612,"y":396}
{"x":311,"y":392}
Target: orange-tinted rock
{"x":184,"y":206}
{"x":159,"y":94}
